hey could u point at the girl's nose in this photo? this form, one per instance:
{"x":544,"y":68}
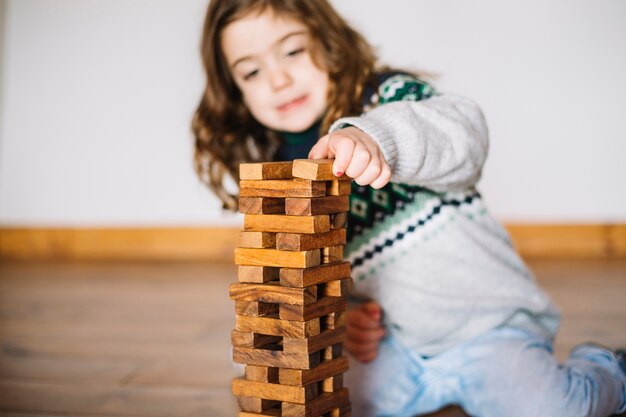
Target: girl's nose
{"x":279,"y":78}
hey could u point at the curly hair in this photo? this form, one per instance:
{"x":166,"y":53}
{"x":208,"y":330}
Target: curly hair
{"x":225,"y":132}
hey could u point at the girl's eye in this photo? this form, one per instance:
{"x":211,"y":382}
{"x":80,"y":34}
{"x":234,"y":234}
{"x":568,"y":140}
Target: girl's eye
{"x":295,"y":52}
{"x":250,"y":75}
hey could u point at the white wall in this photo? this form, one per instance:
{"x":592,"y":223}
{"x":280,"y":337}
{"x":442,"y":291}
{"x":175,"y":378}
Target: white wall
{"x":96,"y":100}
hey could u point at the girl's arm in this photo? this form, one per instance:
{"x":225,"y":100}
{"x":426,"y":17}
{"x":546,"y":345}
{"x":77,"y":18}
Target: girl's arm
{"x":440,"y":143}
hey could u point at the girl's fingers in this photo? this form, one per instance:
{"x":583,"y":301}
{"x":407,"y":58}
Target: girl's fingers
{"x":361,"y":335}
{"x":364,"y":357}
{"x":321,"y":149}
{"x":383,"y":178}
{"x":373,"y":309}
{"x":371,"y":173}
{"x":357,"y":348}
{"x":342,"y":148}
{"x":361,"y":158}
{"x":359,"y":318}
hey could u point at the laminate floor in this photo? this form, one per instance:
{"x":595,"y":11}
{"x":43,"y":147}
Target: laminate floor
{"x":135,"y":339}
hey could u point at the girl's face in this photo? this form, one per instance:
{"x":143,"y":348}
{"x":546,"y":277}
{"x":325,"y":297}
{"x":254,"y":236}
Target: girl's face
{"x":269,"y":57}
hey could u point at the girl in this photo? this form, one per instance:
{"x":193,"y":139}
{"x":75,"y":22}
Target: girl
{"x":464,"y":322}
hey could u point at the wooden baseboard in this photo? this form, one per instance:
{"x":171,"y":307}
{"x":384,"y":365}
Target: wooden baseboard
{"x":591,"y":241}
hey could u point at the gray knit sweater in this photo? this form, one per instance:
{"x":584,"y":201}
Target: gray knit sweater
{"x":443,"y":270}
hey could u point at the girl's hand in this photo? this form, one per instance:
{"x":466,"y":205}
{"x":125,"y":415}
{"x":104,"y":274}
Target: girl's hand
{"x":364,"y":331}
{"x":356,"y":154}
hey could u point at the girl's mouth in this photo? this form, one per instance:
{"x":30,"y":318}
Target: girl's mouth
{"x":292,"y":104}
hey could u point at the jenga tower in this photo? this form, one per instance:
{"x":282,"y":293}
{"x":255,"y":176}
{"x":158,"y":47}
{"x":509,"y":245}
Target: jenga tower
{"x":291,"y":297}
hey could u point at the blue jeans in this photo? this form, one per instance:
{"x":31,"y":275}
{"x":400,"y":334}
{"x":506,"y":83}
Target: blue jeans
{"x":504,"y":373}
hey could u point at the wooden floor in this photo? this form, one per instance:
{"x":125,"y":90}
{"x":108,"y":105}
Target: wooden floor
{"x":153,"y":339}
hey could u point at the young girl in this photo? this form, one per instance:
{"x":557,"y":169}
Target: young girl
{"x":464,"y":322}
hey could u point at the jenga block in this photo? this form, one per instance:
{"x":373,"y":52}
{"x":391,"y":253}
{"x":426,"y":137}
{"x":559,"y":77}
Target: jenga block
{"x":315,"y":343}
{"x":272,"y":412}
{"x":266,"y":171}
{"x":339,"y":288}
{"x":282,"y":188}
{"x":315,"y":169}
{"x":298,"y":277}
{"x":277,"y":392}
{"x":273,"y":257}
{"x":262,"y":374}
{"x":332,"y":352}
{"x":332,"y":254}
{"x":338,"y":187}
{"x":307,"y":241}
{"x":277,"y":327}
{"x":332,"y":384}
{"x":338,"y":220}
{"x":273,"y":293}
{"x":255,"y":309}
{"x":286,"y":224}
{"x":333,"y":320}
{"x":258,"y":240}
{"x":325,"y":369}
{"x":253,"y":340}
{"x":257,"y":274}
{"x":318,"y":205}
{"x":320,"y":308}
{"x":256,"y":405}
{"x":324,"y":403}
{"x":275,"y":358}
{"x":261,"y":205}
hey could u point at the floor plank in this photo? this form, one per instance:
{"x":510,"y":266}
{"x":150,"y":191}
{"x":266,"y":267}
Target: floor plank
{"x":128,"y":339}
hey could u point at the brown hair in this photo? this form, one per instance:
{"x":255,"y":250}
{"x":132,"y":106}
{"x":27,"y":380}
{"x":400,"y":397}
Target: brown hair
{"x":225,"y":132}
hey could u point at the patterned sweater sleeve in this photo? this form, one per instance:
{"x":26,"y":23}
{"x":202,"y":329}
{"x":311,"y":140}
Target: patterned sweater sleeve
{"x":439,"y":143}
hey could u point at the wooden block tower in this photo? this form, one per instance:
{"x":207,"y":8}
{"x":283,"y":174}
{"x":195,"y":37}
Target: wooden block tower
{"x":291,"y":297}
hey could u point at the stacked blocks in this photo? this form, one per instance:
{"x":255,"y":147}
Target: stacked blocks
{"x":291,"y":297}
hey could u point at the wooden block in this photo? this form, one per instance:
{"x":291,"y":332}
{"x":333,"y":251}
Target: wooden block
{"x":255,"y":309}
{"x":299,"y":277}
{"x":333,"y":320}
{"x":277,"y":327}
{"x":299,"y":395}
{"x":339,"y":288}
{"x":261,"y":205}
{"x":277,"y":258}
{"x":257,"y":274}
{"x":325,"y":369}
{"x":318,"y":205}
{"x":315,"y":343}
{"x":309,"y":241}
{"x":338,"y":187}
{"x":286,"y":224}
{"x":262,"y":357}
{"x":332,"y":254}
{"x":320,"y":308}
{"x":338,"y":220}
{"x":324,"y":403}
{"x":266,"y":171}
{"x":273,"y":293}
{"x":253,"y":340}
{"x":332,"y":352}
{"x":315,"y":169}
{"x":258,"y":240}
{"x":256,"y":405}
{"x":332,"y":384}
{"x":262,"y":374}
{"x":282,"y":188}
{"x":272,"y":412}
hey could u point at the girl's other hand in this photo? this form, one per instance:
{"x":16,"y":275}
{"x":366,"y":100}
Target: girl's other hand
{"x":364,"y":331}
{"x":356,"y":154}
